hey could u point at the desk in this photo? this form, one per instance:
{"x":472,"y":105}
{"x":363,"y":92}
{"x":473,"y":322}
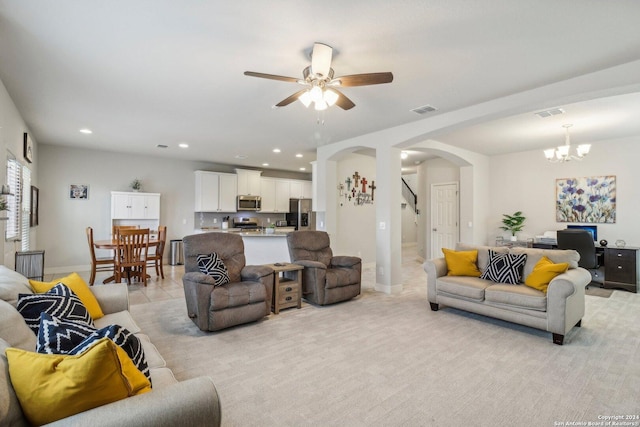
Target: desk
{"x":620,"y":265}
{"x":112,"y":244}
{"x":621,"y":268}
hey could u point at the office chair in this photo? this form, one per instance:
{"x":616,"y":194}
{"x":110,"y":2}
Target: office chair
{"x":582,"y":242}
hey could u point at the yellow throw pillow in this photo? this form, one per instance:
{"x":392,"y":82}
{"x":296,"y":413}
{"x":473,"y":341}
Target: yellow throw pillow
{"x":50,"y":387}
{"x":461,"y":263}
{"x":544,"y":272}
{"x":78,"y":286}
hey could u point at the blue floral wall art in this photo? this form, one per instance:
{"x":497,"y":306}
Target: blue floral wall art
{"x":586,"y":200}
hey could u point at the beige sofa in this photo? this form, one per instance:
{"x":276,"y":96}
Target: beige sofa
{"x":170,"y":403}
{"x":557,"y":311}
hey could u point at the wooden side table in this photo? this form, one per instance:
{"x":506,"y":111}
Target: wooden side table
{"x":287,"y":292}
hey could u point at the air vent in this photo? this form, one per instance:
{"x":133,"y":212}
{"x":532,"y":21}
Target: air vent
{"x":424,"y":109}
{"x":549,"y":113}
{"x":162,"y":146}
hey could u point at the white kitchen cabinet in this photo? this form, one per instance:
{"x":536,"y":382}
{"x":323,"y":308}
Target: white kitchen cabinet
{"x":249,"y":182}
{"x":216,"y":192}
{"x":300,"y":189}
{"x":130,"y":208}
{"x":125,"y":205}
{"x":275,"y":195}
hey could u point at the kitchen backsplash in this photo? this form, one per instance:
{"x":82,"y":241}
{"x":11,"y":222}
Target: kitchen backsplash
{"x":213,"y":219}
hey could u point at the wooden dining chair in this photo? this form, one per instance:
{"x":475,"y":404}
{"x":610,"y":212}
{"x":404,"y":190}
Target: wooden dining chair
{"x":104,"y":263}
{"x":132,"y":249}
{"x":115,"y":228}
{"x":155,"y":259}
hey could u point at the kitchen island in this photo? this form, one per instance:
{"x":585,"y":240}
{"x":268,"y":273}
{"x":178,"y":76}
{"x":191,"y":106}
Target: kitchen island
{"x":260,"y":247}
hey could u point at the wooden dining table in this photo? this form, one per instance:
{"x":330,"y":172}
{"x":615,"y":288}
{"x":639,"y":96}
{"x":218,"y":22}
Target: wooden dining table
{"x":113,"y":243}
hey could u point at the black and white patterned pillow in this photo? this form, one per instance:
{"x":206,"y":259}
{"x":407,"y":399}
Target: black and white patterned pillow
{"x":60,"y":336}
{"x":212,"y":265}
{"x":504,"y":268}
{"x":59,"y":301}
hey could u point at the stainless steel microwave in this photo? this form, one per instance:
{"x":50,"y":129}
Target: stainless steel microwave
{"x":249,"y":203}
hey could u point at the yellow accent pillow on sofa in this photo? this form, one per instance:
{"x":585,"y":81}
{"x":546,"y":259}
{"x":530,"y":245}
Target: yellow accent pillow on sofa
{"x":461,"y":263}
{"x":78,"y":286}
{"x":544,"y":272}
{"x":52,"y":386}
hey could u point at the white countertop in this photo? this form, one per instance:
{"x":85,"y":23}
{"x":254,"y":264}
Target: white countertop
{"x":255,"y":233}
{"x":259,"y":247}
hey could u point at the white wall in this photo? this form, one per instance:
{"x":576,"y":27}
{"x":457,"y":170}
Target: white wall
{"x":433,"y":171}
{"x":409,"y":217}
{"x":355,"y":224}
{"x":63,"y":221}
{"x":12,"y":129}
{"x":526,"y":181}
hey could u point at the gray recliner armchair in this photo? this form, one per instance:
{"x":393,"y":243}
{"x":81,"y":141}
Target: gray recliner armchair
{"x":326,"y":279}
{"x":246,"y":298}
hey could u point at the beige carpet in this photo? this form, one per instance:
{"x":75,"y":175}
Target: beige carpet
{"x":384,"y":360}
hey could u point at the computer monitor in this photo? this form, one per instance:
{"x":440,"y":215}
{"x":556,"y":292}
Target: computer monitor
{"x":593,"y":229}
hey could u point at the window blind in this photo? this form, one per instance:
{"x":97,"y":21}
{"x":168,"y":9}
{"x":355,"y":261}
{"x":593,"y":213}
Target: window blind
{"x":26,"y":208}
{"x":13,"y":199}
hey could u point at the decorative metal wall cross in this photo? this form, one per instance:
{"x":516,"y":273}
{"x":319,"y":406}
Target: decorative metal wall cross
{"x":357,"y":189}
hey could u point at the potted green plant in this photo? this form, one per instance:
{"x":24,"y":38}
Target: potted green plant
{"x":513,"y":223}
{"x":136,"y":185}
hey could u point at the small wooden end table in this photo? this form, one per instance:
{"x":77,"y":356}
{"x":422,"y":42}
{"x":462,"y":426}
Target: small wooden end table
{"x":286,"y":292}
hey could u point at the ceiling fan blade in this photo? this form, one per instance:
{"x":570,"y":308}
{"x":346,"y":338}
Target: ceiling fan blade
{"x":321,"y":60}
{"x":364,"y":79}
{"x":271,"y":76}
{"x":343,"y":102}
{"x":290,"y":99}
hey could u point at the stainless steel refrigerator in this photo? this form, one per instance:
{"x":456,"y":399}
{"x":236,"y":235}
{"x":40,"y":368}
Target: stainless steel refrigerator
{"x":300,"y":215}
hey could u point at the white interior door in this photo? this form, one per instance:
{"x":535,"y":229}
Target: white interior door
{"x":444,"y":217}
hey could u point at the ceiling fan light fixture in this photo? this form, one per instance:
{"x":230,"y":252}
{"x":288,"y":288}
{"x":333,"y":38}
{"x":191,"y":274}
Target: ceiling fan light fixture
{"x":316,"y":94}
{"x":330,"y":97}
{"x":321,"y":105}
{"x":305,"y":98}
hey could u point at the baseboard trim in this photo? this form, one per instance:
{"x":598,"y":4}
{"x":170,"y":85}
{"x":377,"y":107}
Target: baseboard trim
{"x":67,"y":269}
{"x":389,"y":289}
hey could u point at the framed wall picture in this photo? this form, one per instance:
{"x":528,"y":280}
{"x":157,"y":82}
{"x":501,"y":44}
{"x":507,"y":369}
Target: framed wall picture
{"x":35,"y":194}
{"x":28,"y":148}
{"x":79,"y":192}
{"x":590,"y":200}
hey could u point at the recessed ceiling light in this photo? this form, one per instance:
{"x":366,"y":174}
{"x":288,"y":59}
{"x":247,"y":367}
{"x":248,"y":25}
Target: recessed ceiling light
{"x":298,"y":155}
{"x":86,"y":131}
{"x":276,"y":150}
{"x":183,"y":145}
{"x":303,"y":169}
{"x":162,"y":146}
{"x":241,"y":156}
{"x":404,"y":155}
{"x":265,"y":164}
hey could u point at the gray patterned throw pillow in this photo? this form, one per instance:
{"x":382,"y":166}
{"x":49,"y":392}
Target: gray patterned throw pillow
{"x":212,"y":265}
{"x":504,"y":268}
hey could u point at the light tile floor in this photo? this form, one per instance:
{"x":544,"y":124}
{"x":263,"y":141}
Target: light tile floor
{"x":170,"y":287}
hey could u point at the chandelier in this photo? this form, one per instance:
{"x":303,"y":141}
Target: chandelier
{"x":563,"y":152}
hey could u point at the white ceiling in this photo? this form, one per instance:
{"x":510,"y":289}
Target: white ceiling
{"x":146,"y":72}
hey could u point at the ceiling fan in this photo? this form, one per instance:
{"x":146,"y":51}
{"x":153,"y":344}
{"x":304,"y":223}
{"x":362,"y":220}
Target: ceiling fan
{"x":320,"y":83}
